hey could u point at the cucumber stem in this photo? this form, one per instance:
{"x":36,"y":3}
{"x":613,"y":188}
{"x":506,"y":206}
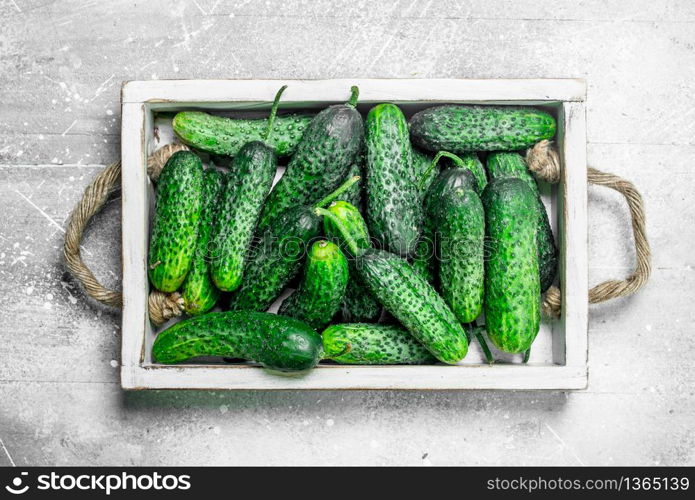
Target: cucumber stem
{"x":527,"y":355}
{"x":344,"y":232}
{"x":341,"y":189}
{"x":274,"y":112}
{"x":354,"y":94}
{"x":483,"y":345}
{"x":458,"y":161}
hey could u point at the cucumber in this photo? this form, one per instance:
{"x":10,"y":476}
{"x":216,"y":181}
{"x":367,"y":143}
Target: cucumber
{"x":407,"y":296}
{"x":226,"y":136}
{"x":462,"y":128}
{"x":242,"y":201}
{"x":465,"y":174}
{"x":514,"y":165}
{"x":512,"y":283}
{"x":369,"y":344}
{"x":175,"y":223}
{"x":322,"y":289}
{"x":278,"y":256}
{"x":330,"y":145}
{"x":425,"y":173}
{"x":276,"y":342}
{"x":198,"y":291}
{"x":358,"y":304}
{"x":394,"y":211}
{"x":461,"y":225}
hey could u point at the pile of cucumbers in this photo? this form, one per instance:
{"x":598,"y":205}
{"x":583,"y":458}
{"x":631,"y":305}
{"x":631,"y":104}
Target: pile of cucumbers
{"x":402,"y":240}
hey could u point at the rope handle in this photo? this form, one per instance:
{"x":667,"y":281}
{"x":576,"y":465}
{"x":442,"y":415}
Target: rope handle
{"x":543,"y":161}
{"x":162,"y":306}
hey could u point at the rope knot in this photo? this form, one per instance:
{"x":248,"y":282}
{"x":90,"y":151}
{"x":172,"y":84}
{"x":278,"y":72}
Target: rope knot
{"x":164,"y":306}
{"x":543,"y":161}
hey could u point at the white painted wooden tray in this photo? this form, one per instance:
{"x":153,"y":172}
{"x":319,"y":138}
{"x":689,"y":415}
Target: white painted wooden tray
{"x":559,"y":355}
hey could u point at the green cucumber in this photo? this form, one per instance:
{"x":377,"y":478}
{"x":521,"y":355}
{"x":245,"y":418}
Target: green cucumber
{"x":358,"y":304}
{"x":276,"y":342}
{"x":198,"y":291}
{"x":253,"y":168}
{"x":512,"y":283}
{"x":514,"y":165}
{"x":322,"y":289}
{"x":226,"y":136}
{"x":330,"y":145}
{"x":424,"y":172}
{"x":394,"y":211}
{"x":461,"y":226}
{"x":175,"y":224}
{"x":369,"y":344}
{"x":407,"y":296}
{"x":278,"y":256}
{"x":466,"y":173}
{"x":461,"y":128}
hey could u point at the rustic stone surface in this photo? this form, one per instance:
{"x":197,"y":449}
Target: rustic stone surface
{"x":62,"y":65}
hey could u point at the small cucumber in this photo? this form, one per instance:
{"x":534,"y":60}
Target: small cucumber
{"x":226,"y":136}
{"x":358,"y":304}
{"x":330,"y":145}
{"x":242,"y":201}
{"x":175,"y":224}
{"x":278,"y":257}
{"x":322,"y":289}
{"x":408,"y":297}
{"x":276,"y":342}
{"x":514,"y":165}
{"x":512,"y":283}
{"x":198,"y":291}
{"x":394,"y":211}
{"x":461,"y":128}
{"x":461,"y":225}
{"x":370,"y":344}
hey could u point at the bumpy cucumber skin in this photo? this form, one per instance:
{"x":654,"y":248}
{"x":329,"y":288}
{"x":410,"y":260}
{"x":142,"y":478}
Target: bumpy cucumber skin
{"x":448,"y":181}
{"x":461,"y":244}
{"x":175,"y":224}
{"x":254,"y":168}
{"x":226,"y":136}
{"x":198,"y":291}
{"x":354,"y":194}
{"x":358,"y":303}
{"x":470,"y":161}
{"x":512,"y":284}
{"x":369,"y":344}
{"x":276,"y":342}
{"x":276,"y":260}
{"x":394,"y":211}
{"x":463,"y":128}
{"x":414,"y":303}
{"x":322,"y":289}
{"x":329,"y":147}
{"x":513,"y":165}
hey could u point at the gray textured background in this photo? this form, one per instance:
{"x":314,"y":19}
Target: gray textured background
{"x":61,"y":65}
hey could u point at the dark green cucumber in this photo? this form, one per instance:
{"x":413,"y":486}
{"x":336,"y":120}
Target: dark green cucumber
{"x":462,"y":128}
{"x":276,"y":342}
{"x":513,"y":165}
{"x":278,"y":256}
{"x":354,"y":194}
{"x":358,"y":304}
{"x":322,"y":289}
{"x":460,"y":220}
{"x":466,"y":175}
{"x":512,"y":284}
{"x":198,"y":290}
{"x":175,"y":224}
{"x":370,"y":344}
{"x":254,"y":168}
{"x":407,"y":296}
{"x":226,"y":136}
{"x":394,"y":210}
{"x":330,"y":145}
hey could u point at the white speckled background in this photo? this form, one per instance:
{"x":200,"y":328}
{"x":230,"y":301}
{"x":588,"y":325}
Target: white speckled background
{"x":61,"y":65}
